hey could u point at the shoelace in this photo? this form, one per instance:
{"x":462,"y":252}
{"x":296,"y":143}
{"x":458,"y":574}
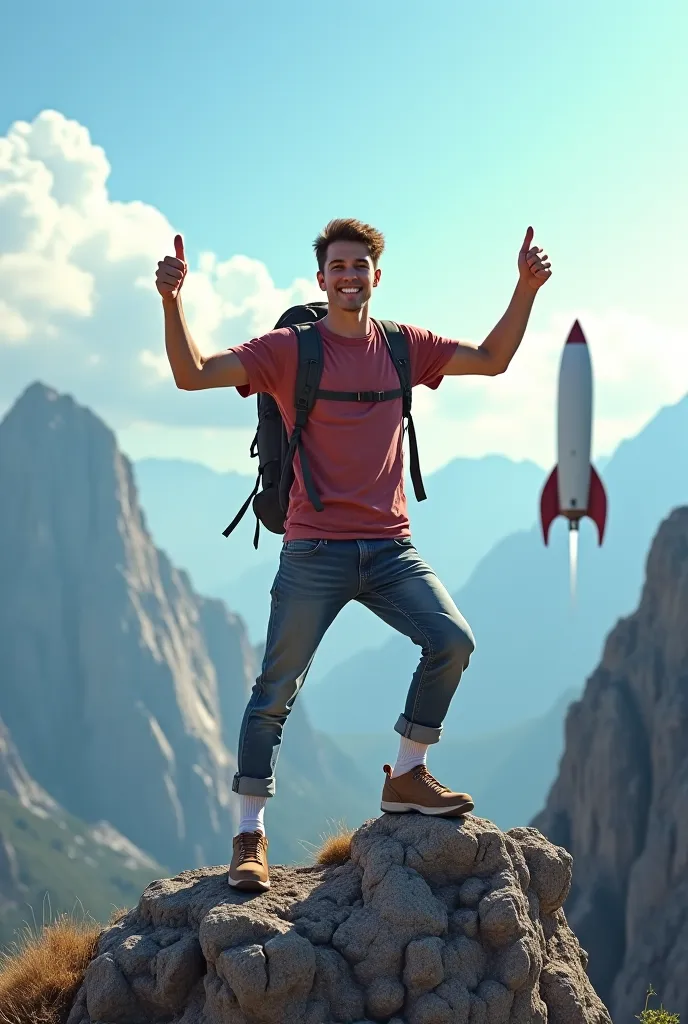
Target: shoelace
{"x":421,"y":774}
{"x":250,"y":844}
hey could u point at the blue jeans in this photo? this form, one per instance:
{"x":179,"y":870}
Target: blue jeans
{"x":315,"y":580}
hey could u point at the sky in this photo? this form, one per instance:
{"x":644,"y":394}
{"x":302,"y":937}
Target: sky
{"x":450,"y":126}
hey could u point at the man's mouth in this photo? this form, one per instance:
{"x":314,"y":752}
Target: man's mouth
{"x":349,"y":291}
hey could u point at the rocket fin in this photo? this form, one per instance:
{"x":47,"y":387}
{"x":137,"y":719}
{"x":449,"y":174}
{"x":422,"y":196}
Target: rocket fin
{"x":597,"y":503}
{"x":549,"y":503}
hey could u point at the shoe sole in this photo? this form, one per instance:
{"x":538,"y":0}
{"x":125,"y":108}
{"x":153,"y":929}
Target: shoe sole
{"x":248,"y":886}
{"x":436,"y":812}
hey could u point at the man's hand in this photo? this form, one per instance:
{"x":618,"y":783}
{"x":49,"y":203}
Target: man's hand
{"x":172,"y":272}
{"x":532,"y":268}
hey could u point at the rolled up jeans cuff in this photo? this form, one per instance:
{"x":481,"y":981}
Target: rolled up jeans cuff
{"x":417,"y":733}
{"x":246,"y":786}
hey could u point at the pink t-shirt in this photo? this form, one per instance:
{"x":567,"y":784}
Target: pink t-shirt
{"x":355,"y":449}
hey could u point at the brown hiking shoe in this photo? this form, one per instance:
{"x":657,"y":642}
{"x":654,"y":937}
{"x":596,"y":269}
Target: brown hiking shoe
{"x":249,"y":867}
{"x":417,"y":790}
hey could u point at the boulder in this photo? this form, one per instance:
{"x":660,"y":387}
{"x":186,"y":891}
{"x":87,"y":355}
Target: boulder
{"x":428,"y":921}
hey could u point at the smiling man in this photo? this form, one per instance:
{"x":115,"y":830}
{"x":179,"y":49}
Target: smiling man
{"x":358,"y":547}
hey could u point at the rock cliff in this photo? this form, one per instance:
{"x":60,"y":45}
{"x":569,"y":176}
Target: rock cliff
{"x":121,"y":687}
{"x":427,"y":922}
{"x":620,"y":802}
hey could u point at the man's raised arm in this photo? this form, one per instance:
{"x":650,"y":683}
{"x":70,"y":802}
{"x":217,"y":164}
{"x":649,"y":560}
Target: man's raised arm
{"x":500,"y":346}
{"x":191,"y":370}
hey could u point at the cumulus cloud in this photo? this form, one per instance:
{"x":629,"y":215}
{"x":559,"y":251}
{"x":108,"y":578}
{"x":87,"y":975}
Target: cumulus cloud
{"x":79,"y":310}
{"x":78,"y":305}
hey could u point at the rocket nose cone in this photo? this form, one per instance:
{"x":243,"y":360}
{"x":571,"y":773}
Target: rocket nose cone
{"x":576,"y":336}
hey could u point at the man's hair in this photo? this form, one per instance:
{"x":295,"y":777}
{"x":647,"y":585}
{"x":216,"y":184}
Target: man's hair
{"x":349,"y":230}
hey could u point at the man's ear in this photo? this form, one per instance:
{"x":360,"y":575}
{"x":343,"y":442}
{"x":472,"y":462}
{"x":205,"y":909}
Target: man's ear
{"x":376,"y":277}
{"x":320,"y":277}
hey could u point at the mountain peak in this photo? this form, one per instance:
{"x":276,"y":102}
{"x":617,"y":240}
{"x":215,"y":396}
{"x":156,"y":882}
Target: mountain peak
{"x":39,"y":405}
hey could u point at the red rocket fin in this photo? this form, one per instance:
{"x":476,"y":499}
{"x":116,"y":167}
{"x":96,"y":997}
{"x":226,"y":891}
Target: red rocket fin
{"x":597,"y":503}
{"x":549,"y":503}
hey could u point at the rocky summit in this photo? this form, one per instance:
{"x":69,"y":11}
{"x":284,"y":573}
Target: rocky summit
{"x":426,"y":921}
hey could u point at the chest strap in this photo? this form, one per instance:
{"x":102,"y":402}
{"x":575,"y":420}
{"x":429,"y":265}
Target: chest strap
{"x":359,"y":396}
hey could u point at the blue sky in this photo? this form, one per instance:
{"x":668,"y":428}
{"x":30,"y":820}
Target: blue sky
{"x":450,"y":126}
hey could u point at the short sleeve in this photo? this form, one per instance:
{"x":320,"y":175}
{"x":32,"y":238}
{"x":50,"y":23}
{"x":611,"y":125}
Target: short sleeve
{"x":267,"y":360}
{"x":429,"y":354}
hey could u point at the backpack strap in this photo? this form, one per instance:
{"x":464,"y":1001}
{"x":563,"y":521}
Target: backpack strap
{"x":308,"y":374}
{"x":244,"y":508}
{"x":397,"y":343}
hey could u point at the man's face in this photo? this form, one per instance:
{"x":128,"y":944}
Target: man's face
{"x":349,"y":276}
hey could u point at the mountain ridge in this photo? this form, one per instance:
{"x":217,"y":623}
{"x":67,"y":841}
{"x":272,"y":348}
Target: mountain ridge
{"x":531,"y":646}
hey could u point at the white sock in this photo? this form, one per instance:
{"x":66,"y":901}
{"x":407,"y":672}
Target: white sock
{"x":252,"y":812}
{"x":410,"y":755}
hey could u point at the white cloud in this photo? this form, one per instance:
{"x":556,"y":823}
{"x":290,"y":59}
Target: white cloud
{"x":79,"y":310}
{"x":78,"y":305}
{"x":13,"y":326}
{"x":42,"y":286}
{"x":159,"y":364}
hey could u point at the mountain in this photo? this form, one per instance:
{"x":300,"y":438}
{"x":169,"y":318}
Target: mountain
{"x":471,"y":504}
{"x":187,"y":506}
{"x":532,"y":645}
{"x":619,"y":804}
{"x":122,"y":688}
{"x":50,"y":862}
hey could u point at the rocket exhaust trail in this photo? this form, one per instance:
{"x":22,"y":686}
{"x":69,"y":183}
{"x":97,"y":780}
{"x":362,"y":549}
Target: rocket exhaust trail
{"x":573,"y":560}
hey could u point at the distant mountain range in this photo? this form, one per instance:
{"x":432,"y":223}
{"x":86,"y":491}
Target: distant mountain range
{"x":123,"y":688}
{"x":508,"y":773}
{"x":535,"y":649}
{"x":532,"y":644}
{"x":471,"y":504}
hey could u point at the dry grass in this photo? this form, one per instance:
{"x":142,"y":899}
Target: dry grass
{"x":335,"y":848}
{"x":40,"y":976}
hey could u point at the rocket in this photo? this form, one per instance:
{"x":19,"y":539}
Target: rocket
{"x":574,"y":489}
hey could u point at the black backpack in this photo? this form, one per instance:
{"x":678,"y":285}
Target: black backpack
{"x":275,"y":450}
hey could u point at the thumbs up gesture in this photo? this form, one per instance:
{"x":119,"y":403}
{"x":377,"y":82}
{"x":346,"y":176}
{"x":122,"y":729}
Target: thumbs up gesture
{"x":533,"y":268}
{"x":171,"y":272}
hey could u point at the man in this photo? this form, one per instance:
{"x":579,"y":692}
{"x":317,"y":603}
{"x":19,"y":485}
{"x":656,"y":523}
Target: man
{"x":359,"y":547}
